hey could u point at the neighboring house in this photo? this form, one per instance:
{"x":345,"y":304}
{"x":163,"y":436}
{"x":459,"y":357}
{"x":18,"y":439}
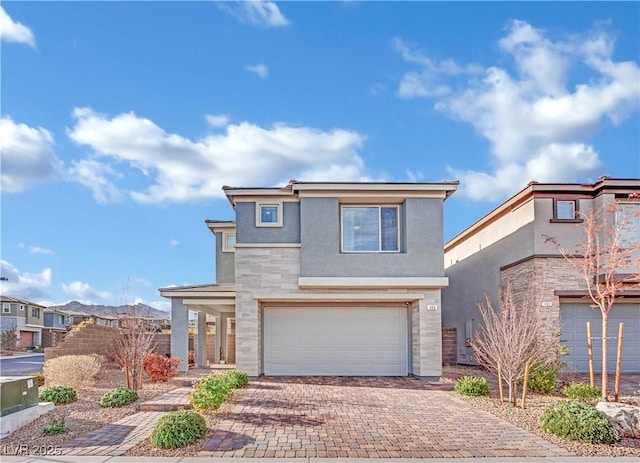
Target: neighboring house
{"x":508,"y":246}
{"x":56,"y":325}
{"x":24,"y":317}
{"x":158,"y":324}
{"x":76,"y":317}
{"x":325,"y":279}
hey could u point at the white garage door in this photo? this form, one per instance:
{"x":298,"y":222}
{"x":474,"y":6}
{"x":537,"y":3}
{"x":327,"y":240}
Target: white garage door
{"x":573,"y":319}
{"x":335,"y":341}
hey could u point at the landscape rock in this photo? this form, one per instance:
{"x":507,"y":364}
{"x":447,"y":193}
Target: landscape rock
{"x":625,"y":418}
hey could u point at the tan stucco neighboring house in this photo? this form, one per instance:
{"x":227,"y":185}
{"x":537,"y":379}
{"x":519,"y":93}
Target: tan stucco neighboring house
{"x":24,"y":317}
{"x":508,"y":246}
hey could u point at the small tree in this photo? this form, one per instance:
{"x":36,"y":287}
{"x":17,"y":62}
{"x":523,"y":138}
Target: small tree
{"x":608,"y":259}
{"x":510,"y":339}
{"x":9,"y":340}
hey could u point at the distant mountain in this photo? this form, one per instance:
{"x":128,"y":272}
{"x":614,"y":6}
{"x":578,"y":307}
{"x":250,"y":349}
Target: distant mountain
{"x":138,"y":309}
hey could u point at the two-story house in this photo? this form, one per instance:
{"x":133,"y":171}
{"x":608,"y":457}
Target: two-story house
{"x":325,"y":279}
{"x":508,"y":246}
{"x":24,"y":317}
{"x":56,"y":325}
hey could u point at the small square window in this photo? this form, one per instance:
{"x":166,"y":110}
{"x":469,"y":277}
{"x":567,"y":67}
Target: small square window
{"x":565,"y":210}
{"x":269,"y":215}
{"x":22,"y":308}
{"x":228,"y":242}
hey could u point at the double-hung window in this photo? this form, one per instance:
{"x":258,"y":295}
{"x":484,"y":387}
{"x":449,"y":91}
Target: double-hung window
{"x":6,"y":308}
{"x":370,"y":229}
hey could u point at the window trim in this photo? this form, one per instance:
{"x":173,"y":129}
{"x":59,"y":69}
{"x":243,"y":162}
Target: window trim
{"x":575,"y":218}
{"x":225,"y":246}
{"x":277,"y":204}
{"x":6,"y":308}
{"x":379,"y":207}
{"x":22,"y":307}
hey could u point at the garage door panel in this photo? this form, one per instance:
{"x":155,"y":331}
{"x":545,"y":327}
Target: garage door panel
{"x":336,"y":341}
{"x":574,"y":318}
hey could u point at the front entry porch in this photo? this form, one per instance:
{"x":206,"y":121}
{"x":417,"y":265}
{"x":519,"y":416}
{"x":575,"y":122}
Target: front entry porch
{"x":213,"y":305}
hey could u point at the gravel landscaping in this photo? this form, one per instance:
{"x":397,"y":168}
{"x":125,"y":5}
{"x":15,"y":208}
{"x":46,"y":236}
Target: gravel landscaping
{"x":86,"y":415}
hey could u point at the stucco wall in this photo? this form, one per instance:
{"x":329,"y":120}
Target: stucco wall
{"x":247,"y":232}
{"x":225,"y":263}
{"x":421,"y":242}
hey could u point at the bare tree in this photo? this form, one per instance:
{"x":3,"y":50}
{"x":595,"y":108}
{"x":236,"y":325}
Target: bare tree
{"x":608,"y":259}
{"x":135,"y":340}
{"x":510,"y":340}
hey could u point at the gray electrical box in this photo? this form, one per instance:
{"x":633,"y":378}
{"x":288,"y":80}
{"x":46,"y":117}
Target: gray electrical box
{"x":17,"y":393}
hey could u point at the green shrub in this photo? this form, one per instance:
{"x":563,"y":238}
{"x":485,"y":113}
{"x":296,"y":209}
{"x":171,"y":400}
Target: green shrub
{"x":472,"y":385}
{"x":118,"y":397}
{"x":577,"y":421}
{"x":59,"y":395}
{"x":212,"y":390}
{"x":238,"y":378}
{"x":542,"y":378}
{"x":177,"y":429}
{"x":56,"y":427}
{"x":582,"y":392}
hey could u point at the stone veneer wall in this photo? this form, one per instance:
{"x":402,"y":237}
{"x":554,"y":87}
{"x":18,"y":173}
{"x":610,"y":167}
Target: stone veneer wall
{"x":535,"y":280}
{"x":449,"y":346}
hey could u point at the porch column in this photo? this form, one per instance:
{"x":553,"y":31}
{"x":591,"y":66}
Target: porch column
{"x":218,"y":343}
{"x":223,"y":334}
{"x":202,"y":336}
{"x":427,"y":337}
{"x":180,"y":333}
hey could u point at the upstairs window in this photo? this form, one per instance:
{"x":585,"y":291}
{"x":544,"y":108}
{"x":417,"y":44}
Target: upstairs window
{"x":6,"y":308}
{"x":565,"y":210}
{"x":628,"y":219}
{"x":35,"y":312}
{"x":228,"y":242}
{"x":269,"y":214}
{"x":370,"y":229}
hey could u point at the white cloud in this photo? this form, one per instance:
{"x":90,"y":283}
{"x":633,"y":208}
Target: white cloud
{"x":165,"y":306}
{"x":24,"y":285}
{"x":260,"y":70}
{"x":181,"y":169}
{"x":256,"y":12}
{"x":84,"y":291}
{"x":95,"y":176}
{"x":174,"y":243}
{"x":27,"y":156}
{"x":35,"y":249}
{"x":217,"y":120}
{"x":536,"y":123}
{"x":11,"y":31}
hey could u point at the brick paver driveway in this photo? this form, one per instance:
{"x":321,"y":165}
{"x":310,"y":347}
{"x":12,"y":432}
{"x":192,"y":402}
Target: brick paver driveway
{"x":364,"y":417}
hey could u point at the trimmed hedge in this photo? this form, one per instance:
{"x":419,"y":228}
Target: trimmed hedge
{"x":578,"y":421}
{"x":177,"y":429}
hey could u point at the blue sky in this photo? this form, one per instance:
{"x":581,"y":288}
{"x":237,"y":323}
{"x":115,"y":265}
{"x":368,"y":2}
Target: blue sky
{"x":121,"y":121}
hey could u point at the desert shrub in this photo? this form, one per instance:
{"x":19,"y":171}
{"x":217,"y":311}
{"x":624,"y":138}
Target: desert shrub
{"x":77,"y":371}
{"x":160,"y":368}
{"x":578,"y":421}
{"x":542,"y":378}
{"x":39,"y":375}
{"x":238,"y":378}
{"x":177,"y":429}
{"x":212,"y":390}
{"x":118,"y":397}
{"x":56,"y":427}
{"x":472,"y":385}
{"x":59,"y":395}
{"x":582,"y":392}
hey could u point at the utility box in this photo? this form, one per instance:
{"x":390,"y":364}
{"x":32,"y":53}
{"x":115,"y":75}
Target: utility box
{"x":17,"y":393}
